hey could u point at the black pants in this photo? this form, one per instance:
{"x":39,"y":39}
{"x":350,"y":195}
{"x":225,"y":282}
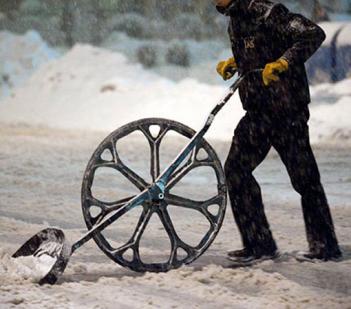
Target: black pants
{"x":252,"y":140}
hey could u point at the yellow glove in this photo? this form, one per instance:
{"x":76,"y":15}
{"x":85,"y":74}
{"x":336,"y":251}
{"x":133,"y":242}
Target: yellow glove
{"x":224,"y":68}
{"x":271,"y":70}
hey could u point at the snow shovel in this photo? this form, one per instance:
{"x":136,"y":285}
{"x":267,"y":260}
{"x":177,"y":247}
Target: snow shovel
{"x":153,"y":198}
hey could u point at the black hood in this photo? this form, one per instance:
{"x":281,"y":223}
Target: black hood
{"x":235,"y":7}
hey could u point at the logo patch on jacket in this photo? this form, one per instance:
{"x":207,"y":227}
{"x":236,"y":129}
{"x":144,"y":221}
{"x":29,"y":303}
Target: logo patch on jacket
{"x":249,"y":42}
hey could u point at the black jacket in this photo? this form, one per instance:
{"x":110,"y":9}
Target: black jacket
{"x":262,"y":33}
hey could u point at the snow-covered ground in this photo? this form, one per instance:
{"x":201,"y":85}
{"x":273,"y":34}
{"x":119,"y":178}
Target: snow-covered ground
{"x":40,"y":179}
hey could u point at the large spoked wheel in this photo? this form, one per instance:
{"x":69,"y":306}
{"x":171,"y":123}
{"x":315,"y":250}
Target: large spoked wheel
{"x":113,"y":160}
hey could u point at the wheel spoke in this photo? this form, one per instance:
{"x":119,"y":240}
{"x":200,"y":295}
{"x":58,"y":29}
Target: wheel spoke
{"x":169,"y":227}
{"x":106,"y":207}
{"x":202,"y":207}
{"x":191,"y":164}
{"x":176,"y":242}
{"x":155,"y":160}
{"x":176,"y":200}
{"x":133,"y":243}
{"x":154,"y":143}
{"x":167,"y":224}
{"x":109,"y":206}
{"x":141,"y":225}
{"x":133,"y":177}
{"x":182,"y":201}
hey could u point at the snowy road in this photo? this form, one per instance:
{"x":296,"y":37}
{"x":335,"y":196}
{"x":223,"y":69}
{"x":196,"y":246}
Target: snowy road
{"x":40,"y":177}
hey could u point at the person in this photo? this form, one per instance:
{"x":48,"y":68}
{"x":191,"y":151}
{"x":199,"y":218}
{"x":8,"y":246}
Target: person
{"x":267,"y":35}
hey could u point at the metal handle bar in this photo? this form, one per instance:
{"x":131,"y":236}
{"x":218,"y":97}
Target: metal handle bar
{"x":162,"y":180}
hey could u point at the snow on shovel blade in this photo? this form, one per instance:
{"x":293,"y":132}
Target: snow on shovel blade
{"x":50,"y":251}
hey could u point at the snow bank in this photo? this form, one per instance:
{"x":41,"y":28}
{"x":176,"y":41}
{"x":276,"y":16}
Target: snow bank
{"x":203,"y":55}
{"x":20,"y":56}
{"x":330,"y":112}
{"x":95,"y":89}
{"x":25,"y":267}
{"x":92,"y":88}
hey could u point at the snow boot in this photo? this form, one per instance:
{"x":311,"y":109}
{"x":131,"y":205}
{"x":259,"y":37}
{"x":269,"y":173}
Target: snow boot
{"x":249,"y":258}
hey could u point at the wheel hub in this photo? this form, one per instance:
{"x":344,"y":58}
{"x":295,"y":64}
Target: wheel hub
{"x":156,"y":192}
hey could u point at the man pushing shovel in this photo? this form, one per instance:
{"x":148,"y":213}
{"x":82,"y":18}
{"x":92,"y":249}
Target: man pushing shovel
{"x":267,"y":35}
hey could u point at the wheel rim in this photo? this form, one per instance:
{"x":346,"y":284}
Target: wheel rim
{"x":149,"y":208}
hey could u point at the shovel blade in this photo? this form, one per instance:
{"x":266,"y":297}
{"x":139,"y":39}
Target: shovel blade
{"x":52,"y":242}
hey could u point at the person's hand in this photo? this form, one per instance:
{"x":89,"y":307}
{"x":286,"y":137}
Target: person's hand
{"x":226,"y":68}
{"x":273,"y":69}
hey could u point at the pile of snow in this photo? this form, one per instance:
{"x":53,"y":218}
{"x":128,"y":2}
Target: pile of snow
{"x":20,"y":56}
{"x":203,"y":55}
{"x":95,"y":89}
{"x":25,"y":267}
{"x":330,"y":112}
{"x":92,"y":88}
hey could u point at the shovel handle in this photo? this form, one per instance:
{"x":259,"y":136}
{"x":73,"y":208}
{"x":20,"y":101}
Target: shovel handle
{"x":137,"y":200}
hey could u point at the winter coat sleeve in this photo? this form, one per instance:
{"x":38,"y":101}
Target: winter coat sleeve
{"x":303,"y":37}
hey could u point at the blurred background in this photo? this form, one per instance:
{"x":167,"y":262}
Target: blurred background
{"x":169,"y":48}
